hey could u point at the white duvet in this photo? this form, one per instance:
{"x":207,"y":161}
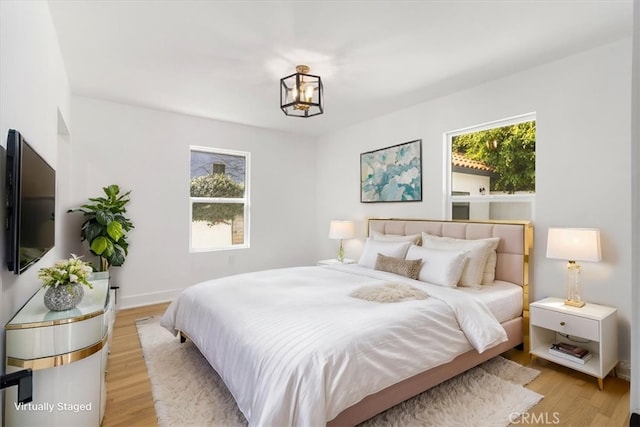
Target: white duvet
{"x":295,"y":349}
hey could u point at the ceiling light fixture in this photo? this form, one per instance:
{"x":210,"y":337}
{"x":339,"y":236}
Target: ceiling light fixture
{"x":301,"y":94}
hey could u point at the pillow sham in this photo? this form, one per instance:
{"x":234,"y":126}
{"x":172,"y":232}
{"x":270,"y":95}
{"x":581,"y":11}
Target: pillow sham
{"x":372,"y":248}
{"x":440,"y":267}
{"x":413,"y":238}
{"x":403,"y":267}
{"x":478,"y":253}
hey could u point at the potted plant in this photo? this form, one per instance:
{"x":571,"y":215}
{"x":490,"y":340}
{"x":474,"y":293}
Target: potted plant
{"x":106,"y":225}
{"x":64,"y":281}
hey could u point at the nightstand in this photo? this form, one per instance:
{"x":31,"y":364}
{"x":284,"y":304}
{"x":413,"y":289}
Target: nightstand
{"x":593,"y":327}
{"x":334,"y":261}
{"x":67,"y":351}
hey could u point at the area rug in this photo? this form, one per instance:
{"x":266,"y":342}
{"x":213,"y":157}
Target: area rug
{"x":187,"y":391}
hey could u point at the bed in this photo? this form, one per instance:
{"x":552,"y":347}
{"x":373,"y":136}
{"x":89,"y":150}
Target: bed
{"x":302,"y":346}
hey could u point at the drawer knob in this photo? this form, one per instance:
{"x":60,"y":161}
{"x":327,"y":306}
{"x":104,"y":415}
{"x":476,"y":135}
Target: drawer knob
{"x":561,"y":323}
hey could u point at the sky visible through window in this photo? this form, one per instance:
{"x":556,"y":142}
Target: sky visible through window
{"x":201,"y":164}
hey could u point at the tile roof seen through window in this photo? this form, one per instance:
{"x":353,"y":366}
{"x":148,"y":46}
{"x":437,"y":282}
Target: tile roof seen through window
{"x":459,"y":159}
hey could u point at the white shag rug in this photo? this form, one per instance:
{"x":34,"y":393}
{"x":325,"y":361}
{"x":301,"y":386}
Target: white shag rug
{"x":188,"y":392}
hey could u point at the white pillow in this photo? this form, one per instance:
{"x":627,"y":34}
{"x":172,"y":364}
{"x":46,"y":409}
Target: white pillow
{"x":439,"y":267}
{"x":413,"y":238}
{"x":489,"y":274}
{"x":473,"y":273}
{"x":373,"y":247}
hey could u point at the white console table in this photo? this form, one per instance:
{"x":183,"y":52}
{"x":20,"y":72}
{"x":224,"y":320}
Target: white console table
{"x":67,"y":351}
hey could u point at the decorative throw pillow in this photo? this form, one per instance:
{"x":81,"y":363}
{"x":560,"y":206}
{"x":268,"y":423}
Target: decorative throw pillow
{"x":413,"y":238}
{"x":478,"y":253}
{"x":403,"y":267}
{"x":389,"y":292}
{"x":442,"y":268}
{"x":372,"y":248}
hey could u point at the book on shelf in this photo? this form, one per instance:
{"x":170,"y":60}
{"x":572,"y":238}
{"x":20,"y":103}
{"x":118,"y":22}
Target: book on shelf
{"x":578,"y":356}
{"x":570,"y":349}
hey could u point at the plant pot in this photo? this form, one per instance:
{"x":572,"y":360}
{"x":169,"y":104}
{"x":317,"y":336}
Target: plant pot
{"x":63,"y":297}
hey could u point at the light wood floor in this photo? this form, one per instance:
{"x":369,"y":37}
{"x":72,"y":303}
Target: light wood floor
{"x":571,"y":398}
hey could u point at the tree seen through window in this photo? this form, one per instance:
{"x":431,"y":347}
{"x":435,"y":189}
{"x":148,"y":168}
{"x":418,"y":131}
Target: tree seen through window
{"x":509,"y":152}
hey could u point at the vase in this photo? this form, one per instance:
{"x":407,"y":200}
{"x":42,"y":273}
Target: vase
{"x":63,"y":297}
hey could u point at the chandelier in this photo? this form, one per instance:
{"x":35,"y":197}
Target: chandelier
{"x":301,"y":94}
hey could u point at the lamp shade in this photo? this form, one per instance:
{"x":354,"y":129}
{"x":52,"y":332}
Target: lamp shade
{"x":574,"y":244}
{"x":341,"y":229}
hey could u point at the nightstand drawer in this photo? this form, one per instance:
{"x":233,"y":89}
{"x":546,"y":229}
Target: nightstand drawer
{"x":565,"y":323}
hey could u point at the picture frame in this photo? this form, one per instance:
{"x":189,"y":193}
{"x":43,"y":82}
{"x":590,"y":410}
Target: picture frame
{"x":392,"y":174}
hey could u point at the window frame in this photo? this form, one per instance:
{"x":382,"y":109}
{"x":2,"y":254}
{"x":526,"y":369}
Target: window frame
{"x":449,"y":199}
{"x":244,"y":200}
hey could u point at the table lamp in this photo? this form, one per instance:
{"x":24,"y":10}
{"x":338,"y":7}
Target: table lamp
{"x":574,"y":244}
{"x":341,"y":230}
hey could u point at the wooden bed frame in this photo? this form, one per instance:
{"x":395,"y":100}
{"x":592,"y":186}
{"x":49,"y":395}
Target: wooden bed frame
{"x":516,"y":242}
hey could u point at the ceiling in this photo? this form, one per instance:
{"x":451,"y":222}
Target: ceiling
{"x":224,"y":59}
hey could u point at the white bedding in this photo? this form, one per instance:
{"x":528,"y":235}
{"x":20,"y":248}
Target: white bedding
{"x":295,"y":349}
{"x":503,"y":299}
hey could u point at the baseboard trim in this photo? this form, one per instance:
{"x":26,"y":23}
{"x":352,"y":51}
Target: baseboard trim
{"x":623,"y":370}
{"x":141,"y":300}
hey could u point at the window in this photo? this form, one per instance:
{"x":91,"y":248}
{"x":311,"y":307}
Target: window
{"x":490,"y":171}
{"x":218,"y":199}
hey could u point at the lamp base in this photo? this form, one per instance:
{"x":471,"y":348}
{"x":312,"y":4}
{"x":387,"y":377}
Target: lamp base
{"x":573,"y":285}
{"x":572,"y":303}
{"x":341,"y":253}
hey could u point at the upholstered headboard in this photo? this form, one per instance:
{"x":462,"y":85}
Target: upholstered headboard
{"x":516,"y":240}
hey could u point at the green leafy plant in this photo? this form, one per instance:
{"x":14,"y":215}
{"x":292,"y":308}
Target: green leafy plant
{"x":106,"y":225}
{"x":66,"y":272}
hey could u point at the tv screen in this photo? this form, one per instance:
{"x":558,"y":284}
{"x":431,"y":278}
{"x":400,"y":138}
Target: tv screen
{"x":31,"y":203}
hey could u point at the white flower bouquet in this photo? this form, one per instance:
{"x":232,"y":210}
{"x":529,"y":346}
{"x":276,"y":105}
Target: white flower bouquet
{"x":66,"y":272}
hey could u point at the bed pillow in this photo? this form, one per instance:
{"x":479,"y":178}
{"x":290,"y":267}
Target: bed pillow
{"x":403,"y":267}
{"x":478,"y":253}
{"x":489,"y":274}
{"x":439,"y":267}
{"x":413,"y":238}
{"x":372,"y":248}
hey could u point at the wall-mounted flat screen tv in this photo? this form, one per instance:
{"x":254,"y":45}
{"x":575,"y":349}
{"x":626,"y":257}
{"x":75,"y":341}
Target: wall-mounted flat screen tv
{"x":31,"y":204}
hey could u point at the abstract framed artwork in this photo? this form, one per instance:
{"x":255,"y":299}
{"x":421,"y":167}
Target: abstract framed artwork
{"x":392,"y":174}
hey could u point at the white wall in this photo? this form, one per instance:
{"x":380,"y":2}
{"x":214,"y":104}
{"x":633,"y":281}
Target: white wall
{"x":147,"y":151}
{"x":582,"y":170}
{"x":635,"y":215}
{"x":35,"y":93}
